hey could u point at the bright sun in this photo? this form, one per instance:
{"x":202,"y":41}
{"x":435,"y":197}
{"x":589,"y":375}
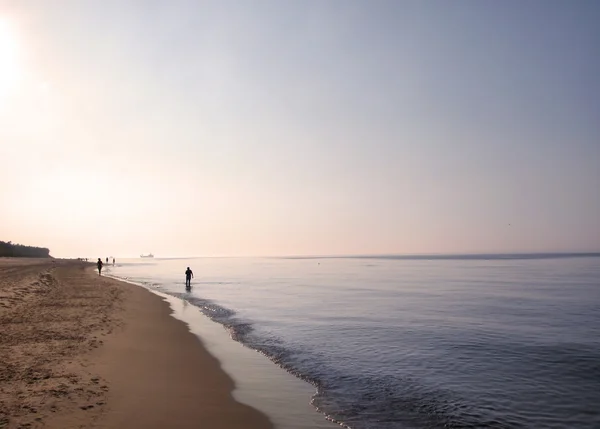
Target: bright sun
{"x":9,"y":66}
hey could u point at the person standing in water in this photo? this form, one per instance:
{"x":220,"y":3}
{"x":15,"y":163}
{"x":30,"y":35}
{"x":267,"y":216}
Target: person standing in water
{"x":189,"y":274}
{"x":99,"y":263}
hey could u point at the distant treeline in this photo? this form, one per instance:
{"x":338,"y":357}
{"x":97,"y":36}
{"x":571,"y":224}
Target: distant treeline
{"x":19,"y":251}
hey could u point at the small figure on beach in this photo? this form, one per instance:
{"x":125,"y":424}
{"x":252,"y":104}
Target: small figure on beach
{"x":107,"y":259}
{"x":113,"y":262}
{"x":189,"y":274}
{"x":99,"y":263}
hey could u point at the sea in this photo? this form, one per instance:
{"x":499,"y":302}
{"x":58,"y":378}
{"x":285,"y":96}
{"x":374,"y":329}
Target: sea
{"x":407,"y":342}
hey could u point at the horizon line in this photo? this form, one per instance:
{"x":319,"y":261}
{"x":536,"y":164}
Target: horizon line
{"x":378,"y":255}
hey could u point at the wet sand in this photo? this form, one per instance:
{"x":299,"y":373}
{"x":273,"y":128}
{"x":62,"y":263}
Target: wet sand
{"x":79,"y":350}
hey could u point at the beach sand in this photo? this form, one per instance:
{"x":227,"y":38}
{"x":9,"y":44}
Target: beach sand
{"x":79,"y":350}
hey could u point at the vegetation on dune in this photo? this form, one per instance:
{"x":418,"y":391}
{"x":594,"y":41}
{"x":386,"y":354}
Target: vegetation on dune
{"x":10,"y":249}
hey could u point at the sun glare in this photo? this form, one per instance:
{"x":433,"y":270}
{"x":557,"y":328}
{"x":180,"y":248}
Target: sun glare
{"x":9,"y":66}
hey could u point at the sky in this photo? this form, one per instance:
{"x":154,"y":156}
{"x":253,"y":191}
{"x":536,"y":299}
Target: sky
{"x":333,"y":127}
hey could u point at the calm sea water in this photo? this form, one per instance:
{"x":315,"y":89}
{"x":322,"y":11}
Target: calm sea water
{"x":440,"y":342}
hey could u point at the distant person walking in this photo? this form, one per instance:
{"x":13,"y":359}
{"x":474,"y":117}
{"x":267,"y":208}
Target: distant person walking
{"x":189,"y":275}
{"x":107,"y":260}
{"x":113,"y":262}
{"x":99,"y":263}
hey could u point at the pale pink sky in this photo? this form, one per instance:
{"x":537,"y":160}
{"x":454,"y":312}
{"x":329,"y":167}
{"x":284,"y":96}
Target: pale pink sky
{"x":293,"y":128}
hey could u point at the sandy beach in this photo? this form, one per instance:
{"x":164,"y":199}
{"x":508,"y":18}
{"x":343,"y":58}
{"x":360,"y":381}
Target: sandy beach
{"x":79,"y":350}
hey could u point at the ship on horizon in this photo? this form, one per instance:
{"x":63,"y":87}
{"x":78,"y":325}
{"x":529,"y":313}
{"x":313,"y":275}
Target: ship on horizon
{"x":149,"y":255}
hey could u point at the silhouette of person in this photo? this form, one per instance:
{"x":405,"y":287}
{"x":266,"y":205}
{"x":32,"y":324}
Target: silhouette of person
{"x":113,"y":262}
{"x":99,"y":263}
{"x":189,"y":274}
{"x":107,"y":260}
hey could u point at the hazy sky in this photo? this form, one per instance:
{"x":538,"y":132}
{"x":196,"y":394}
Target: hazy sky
{"x":306,"y":127}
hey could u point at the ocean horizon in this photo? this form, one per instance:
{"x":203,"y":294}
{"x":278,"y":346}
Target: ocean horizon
{"x":417,"y":256}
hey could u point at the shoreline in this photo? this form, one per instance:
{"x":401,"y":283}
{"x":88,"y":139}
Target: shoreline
{"x":259,"y":382}
{"x":88,"y":351}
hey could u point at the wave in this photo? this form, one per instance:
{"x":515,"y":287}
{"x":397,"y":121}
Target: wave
{"x":373,"y":402}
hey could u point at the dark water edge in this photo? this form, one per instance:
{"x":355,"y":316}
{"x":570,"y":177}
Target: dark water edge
{"x":289,"y":416}
{"x":239,"y":332}
{"x":454,"y":257}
